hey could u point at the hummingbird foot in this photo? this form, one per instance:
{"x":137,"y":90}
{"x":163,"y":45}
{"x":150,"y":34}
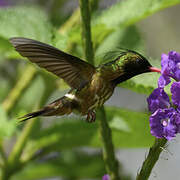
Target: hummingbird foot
{"x":91,"y":116}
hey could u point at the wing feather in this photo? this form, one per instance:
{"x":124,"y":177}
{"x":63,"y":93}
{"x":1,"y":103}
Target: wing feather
{"x":73,"y":70}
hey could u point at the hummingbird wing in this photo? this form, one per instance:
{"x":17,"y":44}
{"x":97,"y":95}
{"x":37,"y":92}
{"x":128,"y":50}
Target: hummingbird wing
{"x":75,"y":72}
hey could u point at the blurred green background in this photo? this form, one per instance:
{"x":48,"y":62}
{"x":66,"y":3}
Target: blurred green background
{"x":68,"y":147}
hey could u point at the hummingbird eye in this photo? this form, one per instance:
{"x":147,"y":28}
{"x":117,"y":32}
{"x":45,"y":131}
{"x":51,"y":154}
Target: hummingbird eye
{"x":138,"y":60}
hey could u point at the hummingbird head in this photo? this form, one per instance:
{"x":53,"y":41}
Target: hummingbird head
{"x":131,"y":64}
{"x":134,"y":63}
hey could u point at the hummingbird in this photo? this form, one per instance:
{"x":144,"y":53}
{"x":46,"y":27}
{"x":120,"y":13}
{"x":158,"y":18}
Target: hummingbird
{"x":90,"y":86}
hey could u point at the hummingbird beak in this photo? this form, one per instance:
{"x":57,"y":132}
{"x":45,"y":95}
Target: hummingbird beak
{"x":154,"y":69}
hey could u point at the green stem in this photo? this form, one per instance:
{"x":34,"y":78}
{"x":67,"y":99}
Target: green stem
{"x":21,"y":141}
{"x":86,"y":30}
{"x":111,"y":163}
{"x":108,"y":149}
{"x":151,"y":159}
{"x":22,"y":83}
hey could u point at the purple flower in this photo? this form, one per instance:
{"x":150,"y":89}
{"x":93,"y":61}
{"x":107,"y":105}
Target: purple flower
{"x":158,"y":99}
{"x":165,"y":120}
{"x":177,"y":120}
{"x":163,"y":81}
{"x":163,"y":123}
{"x":106,"y":177}
{"x":175,"y":90}
{"x":170,"y":68}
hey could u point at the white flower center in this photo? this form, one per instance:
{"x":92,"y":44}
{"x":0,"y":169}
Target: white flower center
{"x":178,"y":65}
{"x":165,"y":122}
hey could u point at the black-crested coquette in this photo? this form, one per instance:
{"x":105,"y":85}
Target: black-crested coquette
{"x":90,"y":86}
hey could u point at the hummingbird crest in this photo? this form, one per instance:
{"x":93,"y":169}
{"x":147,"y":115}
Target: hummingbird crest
{"x":90,"y":86}
{"x":126,"y":65}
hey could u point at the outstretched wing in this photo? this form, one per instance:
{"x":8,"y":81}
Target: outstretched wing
{"x":75,"y":72}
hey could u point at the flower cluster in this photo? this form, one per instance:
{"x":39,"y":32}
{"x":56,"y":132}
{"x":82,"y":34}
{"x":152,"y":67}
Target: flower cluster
{"x":106,"y":177}
{"x":165,"y":118}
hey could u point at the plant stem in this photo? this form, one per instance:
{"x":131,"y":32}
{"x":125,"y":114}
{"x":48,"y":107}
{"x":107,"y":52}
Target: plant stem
{"x":111,"y":163}
{"x":108,"y":149}
{"x":21,"y":141}
{"x":86,"y":30}
{"x":151,"y":159}
{"x":21,"y":85}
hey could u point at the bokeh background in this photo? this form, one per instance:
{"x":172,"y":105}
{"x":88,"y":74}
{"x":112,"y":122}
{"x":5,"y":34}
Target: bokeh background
{"x":160,"y":33}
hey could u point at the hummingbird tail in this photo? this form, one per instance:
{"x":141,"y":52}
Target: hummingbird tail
{"x":34,"y":114}
{"x":61,"y":106}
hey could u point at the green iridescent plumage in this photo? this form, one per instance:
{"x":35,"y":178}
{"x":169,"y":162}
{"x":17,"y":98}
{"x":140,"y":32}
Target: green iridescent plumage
{"x":90,"y":86}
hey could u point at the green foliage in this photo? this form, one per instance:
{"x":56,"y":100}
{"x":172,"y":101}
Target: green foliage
{"x":29,"y":22}
{"x":5,"y":86}
{"x":142,"y":84}
{"x":131,"y":126}
{"x":35,"y":91}
{"x":69,"y":164}
{"x":125,"y":13}
{"x":7,"y":126}
{"x":112,"y":28}
{"x":127,"y":38}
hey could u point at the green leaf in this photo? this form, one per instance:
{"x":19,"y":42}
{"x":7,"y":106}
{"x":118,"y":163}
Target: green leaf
{"x":128,"y":38}
{"x":5,"y":47}
{"x":5,"y":87}
{"x":70,"y":41}
{"x":7,"y":127}
{"x":60,"y":41}
{"x":119,"y":16}
{"x":128,"y":12}
{"x":119,"y":124}
{"x":29,"y":22}
{"x":134,"y":130}
{"x":64,"y":134}
{"x":129,"y":129}
{"x":144,"y":83}
{"x":30,"y":97}
{"x":68,"y":164}
{"x":99,"y":33}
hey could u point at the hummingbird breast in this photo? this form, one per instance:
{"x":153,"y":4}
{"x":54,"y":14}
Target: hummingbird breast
{"x":94,"y":94}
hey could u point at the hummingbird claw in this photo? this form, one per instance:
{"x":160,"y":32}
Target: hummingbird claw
{"x":91,"y":116}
